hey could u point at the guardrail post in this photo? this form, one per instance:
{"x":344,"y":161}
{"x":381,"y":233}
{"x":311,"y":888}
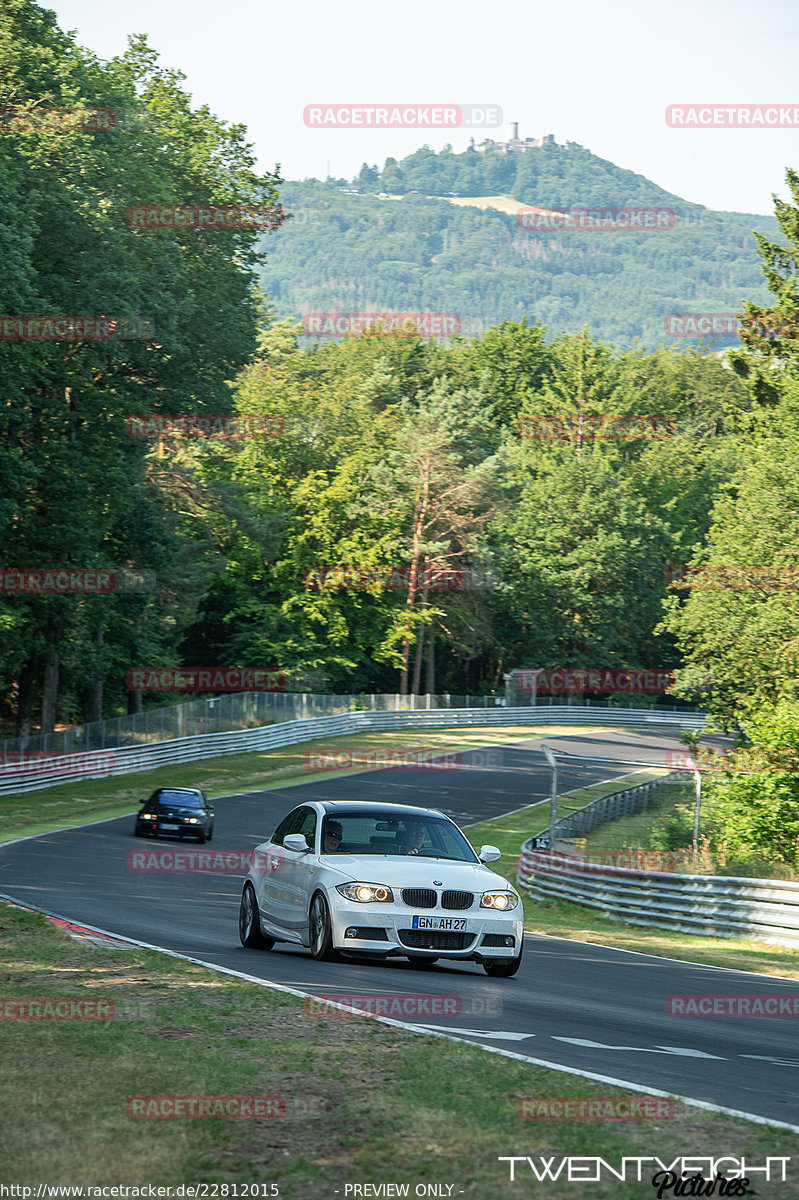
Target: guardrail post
{"x":553,"y":798}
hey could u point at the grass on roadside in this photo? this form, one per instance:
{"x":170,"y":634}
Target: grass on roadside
{"x":364,"y":1103}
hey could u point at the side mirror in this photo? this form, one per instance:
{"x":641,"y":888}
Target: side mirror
{"x":209,"y":809}
{"x":489,"y":854}
{"x":295,"y":842}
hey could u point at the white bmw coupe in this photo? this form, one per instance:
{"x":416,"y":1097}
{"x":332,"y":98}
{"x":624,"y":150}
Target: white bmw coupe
{"x":378,"y":880}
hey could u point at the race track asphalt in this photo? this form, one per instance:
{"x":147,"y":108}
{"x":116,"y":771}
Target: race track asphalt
{"x":572,"y":1004}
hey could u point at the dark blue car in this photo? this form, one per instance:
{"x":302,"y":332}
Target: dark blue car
{"x":176,"y":812}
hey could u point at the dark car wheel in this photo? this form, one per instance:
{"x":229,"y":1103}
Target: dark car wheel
{"x":250,"y":934}
{"x":320,"y":930}
{"x":211,"y":831}
{"x":201,"y":836}
{"x":503,"y":968}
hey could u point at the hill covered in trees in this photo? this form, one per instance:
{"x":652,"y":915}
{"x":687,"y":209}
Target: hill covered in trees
{"x":408,"y":242}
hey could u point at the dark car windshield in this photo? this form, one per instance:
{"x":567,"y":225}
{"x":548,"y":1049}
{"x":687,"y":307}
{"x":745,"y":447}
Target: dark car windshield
{"x":376,"y":832}
{"x":175,"y":799}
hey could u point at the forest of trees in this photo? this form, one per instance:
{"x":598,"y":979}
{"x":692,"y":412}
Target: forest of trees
{"x":389,"y":457}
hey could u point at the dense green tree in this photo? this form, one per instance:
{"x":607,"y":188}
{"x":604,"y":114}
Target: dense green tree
{"x":739,"y":622}
{"x":77,"y":485}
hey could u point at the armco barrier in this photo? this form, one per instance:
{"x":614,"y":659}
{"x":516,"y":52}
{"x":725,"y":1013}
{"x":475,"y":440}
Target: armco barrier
{"x":714,"y":905}
{"x":763,"y":909}
{"x":606,"y":808}
{"x":268,"y":737}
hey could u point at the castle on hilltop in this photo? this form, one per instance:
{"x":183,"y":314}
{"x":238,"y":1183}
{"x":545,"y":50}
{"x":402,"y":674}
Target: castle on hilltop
{"x":515,"y":144}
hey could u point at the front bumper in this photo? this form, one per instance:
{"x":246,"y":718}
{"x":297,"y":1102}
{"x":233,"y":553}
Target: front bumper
{"x":387,"y":930}
{"x":151,"y":829}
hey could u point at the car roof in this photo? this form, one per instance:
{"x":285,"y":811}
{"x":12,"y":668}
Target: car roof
{"x":400,"y":810}
{"x":169,"y":788}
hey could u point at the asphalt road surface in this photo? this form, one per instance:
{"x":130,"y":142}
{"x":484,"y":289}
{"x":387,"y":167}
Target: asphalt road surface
{"x":571,"y":1004}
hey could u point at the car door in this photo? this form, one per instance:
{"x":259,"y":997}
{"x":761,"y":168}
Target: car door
{"x":299,"y":871}
{"x":273,"y":899}
{"x":208,"y":814}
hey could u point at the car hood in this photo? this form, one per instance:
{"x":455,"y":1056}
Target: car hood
{"x":409,"y":871}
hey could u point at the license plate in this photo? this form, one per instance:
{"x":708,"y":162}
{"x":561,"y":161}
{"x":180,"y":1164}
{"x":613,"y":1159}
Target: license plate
{"x":169,"y":827}
{"x":453,"y":923}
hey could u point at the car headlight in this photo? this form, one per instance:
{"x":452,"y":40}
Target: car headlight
{"x":366,"y":893}
{"x":148,"y":817}
{"x":192,"y":820}
{"x":501,"y":901}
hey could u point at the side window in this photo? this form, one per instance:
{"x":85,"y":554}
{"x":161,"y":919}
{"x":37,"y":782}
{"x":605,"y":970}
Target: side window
{"x":307,"y":826}
{"x":289,"y":824}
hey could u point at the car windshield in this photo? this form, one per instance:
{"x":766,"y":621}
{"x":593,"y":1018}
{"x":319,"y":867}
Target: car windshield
{"x":376,"y":832}
{"x":178,"y":799}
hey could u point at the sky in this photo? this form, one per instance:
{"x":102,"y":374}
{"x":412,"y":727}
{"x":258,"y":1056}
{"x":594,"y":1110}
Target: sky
{"x":599,"y":73}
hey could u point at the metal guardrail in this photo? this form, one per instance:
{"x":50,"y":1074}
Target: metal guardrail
{"x":604,"y":808}
{"x":22,"y":777}
{"x":712,"y":905}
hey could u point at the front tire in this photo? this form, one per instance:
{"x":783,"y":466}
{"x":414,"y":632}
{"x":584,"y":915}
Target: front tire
{"x":250,"y":934}
{"x":320,"y":930}
{"x":503,"y":968}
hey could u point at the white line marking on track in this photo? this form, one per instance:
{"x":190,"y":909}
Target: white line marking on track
{"x":501,"y":1035}
{"x":681,"y":1050}
{"x":778,"y":1062}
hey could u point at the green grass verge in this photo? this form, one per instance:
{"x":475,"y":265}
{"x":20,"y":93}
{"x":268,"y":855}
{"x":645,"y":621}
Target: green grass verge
{"x":94,"y":799}
{"x":364,"y":1103}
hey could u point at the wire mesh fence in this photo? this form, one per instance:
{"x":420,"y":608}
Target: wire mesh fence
{"x":248,"y":710}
